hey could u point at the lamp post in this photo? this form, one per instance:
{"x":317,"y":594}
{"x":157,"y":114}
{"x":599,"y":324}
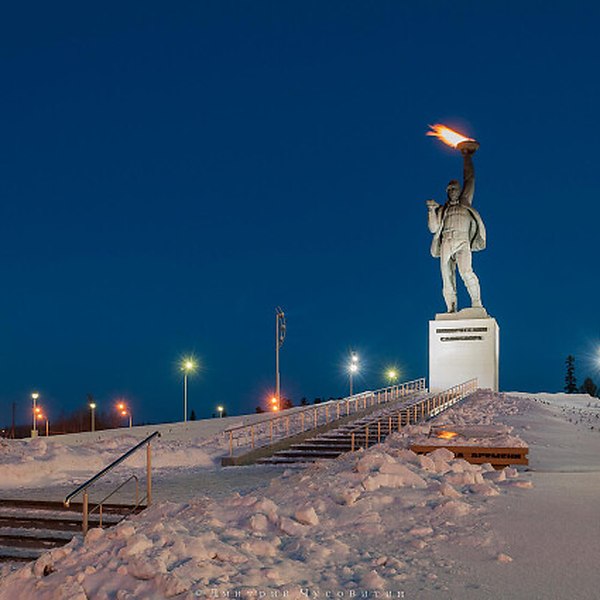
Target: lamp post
{"x":93,"y":416}
{"x":125,"y":412}
{"x":352,"y":369}
{"x":220,"y":409}
{"x":34,"y":430}
{"x":280,"y":329}
{"x":42,"y":416}
{"x":187,"y":366}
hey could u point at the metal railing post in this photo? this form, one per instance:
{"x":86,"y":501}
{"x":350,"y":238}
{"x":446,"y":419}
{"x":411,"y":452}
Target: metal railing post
{"x":148,"y":476}
{"x":84,"y":525}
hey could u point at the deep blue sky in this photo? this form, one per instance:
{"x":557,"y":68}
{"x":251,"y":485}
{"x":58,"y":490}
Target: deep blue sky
{"x":170,"y":172}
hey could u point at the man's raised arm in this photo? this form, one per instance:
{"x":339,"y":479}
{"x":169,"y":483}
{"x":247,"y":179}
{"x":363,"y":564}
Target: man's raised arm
{"x":468,"y":189}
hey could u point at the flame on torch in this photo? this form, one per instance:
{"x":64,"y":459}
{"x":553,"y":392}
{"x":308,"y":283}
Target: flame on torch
{"x":447,"y":135}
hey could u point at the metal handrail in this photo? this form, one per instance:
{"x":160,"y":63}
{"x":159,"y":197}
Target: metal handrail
{"x":84,"y":486}
{"x":270,"y":424}
{"x":428,"y":406}
{"x":100,"y":504}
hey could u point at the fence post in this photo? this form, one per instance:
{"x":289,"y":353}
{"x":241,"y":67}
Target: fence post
{"x":366,"y":436}
{"x":352,"y":442}
{"x":378,"y":432}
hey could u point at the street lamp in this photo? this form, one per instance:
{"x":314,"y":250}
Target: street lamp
{"x":188,"y":366}
{"x":220,"y":409}
{"x":392,"y":376}
{"x":274,"y":404}
{"x":34,"y":430}
{"x":125,"y":412}
{"x":93,"y":416}
{"x":280,"y":329}
{"x":41,"y":416}
{"x":352,"y":369}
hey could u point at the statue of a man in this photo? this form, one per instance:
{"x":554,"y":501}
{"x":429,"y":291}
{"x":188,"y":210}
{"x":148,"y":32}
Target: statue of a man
{"x":457,"y":230}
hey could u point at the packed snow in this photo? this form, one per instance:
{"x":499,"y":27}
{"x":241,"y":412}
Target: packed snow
{"x":382,"y":521}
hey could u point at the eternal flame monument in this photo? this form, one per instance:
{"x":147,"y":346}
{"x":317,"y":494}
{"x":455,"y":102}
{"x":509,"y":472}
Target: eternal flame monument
{"x":463,"y":344}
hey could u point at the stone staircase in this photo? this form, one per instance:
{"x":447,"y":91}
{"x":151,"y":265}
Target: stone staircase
{"x":361,"y":433}
{"x":29,"y":528}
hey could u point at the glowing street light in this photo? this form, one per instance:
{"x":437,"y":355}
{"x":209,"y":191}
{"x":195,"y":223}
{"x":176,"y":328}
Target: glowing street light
{"x":220,"y":409}
{"x":352,"y":369}
{"x":125,"y":412}
{"x":392,"y":376}
{"x":41,"y":416}
{"x":92,"y":406}
{"x":274,"y":404}
{"x":188,"y":365}
{"x":34,"y":430}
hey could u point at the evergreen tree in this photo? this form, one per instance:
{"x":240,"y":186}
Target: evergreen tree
{"x":570,"y":380}
{"x":193,"y":415}
{"x":303,"y":401}
{"x":260,"y":409}
{"x":589,"y":387}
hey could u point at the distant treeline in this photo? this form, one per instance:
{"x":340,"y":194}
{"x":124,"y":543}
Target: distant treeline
{"x":288,"y":403}
{"x":74,"y":422}
{"x":588,"y":387}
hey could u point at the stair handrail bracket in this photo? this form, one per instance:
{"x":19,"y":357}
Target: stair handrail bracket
{"x":300,"y":420}
{"x":83,"y":488}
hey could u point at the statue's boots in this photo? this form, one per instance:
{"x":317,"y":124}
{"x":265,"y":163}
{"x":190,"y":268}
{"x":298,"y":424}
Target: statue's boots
{"x":451,"y":301}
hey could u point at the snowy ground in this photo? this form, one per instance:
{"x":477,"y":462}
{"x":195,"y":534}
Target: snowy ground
{"x":382,"y":520}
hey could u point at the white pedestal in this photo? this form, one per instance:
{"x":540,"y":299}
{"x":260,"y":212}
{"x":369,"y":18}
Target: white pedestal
{"x":461,"y":349}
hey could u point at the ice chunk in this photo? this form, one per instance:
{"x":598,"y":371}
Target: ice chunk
{"x":307,"y":516}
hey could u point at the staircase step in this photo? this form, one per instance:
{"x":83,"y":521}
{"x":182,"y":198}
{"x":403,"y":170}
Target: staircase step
{"x":12,"y":554}
{"x":28,"y":528}
{"x":26,"y":539}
